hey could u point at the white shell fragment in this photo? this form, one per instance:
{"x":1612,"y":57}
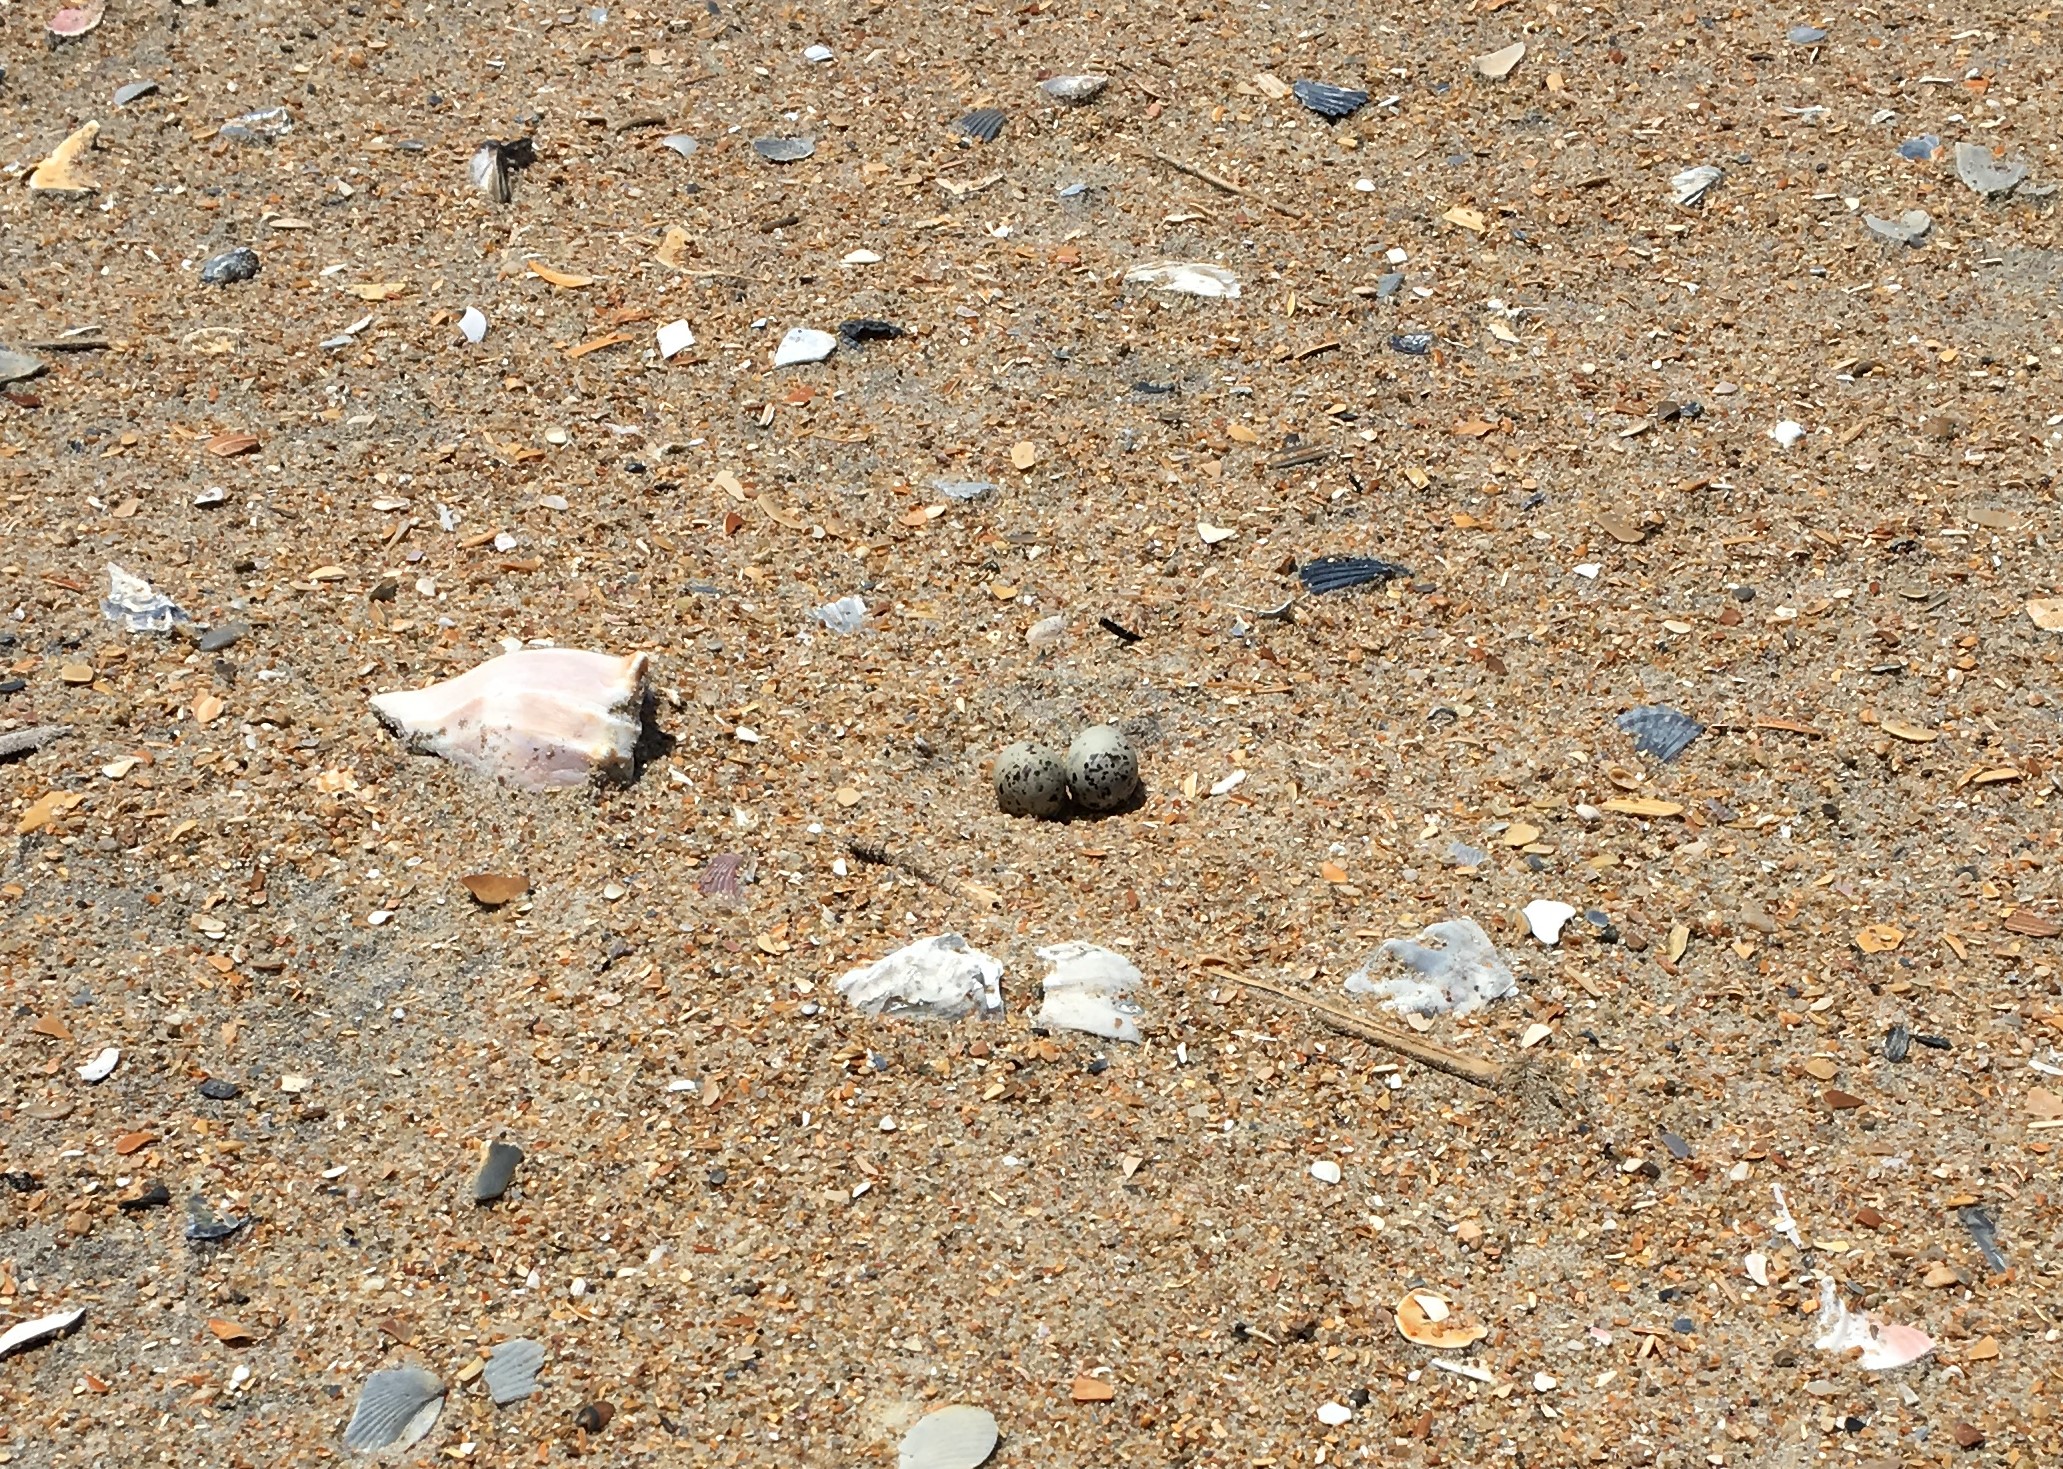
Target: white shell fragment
{"x":957,"y":1437}
{"x":674,"y":338}
{"x":1787,"y":432}
{"x":1545,"y":919}
{"x":1335,"y":1415}
{"x":1090,"y":990}
{"x":540,"y":719}
{"x":1459,"y":968}
{"x":101,"y":1067}
{"x":1326,"y":1171}
{"x":1693,"y":184}
{"x":395,"y":1407}
{"x":936,"y":978}
{"x":1073,"y":91}
{"x":1910,"y":228}
{"x":1497,"y":65}
{"x":511,"y":1373}
{"x":473,"y":325}
{"x":804,"y":344}
{"x":137,"y":605}
{"x":25,"y":1334}
{"x":1185,"y":278}
{"x":1884,"y":1344}
{"x":1978,"y":167}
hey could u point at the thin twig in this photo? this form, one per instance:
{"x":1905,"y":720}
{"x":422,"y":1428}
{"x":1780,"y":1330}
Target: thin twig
{"x":880,"y":856}
{"x":1455,"y":1063}
{"x":1216,"y":181}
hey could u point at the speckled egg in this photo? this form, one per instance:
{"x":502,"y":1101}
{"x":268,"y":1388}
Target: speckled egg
{"x":1031,"y":780}
{"x":1102,"y":768}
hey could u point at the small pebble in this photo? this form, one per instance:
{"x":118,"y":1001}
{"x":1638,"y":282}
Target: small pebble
{"x":497,"y":1170}
{"x":230,"y":267}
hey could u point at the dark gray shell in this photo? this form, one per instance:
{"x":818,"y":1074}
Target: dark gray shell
{"x":1660,"y":731}
{"x":1031,"y":780}
{"x":1327,"y":100}
{"x":1102,"y":768}
{"x":229,"y":267}
{"x":497,"y":1171}
{"x":783,"y":150}
{"x":984,"y":124}
{"x":1338,"y":573}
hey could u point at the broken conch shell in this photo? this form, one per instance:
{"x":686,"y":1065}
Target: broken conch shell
{"x":541,"y":719}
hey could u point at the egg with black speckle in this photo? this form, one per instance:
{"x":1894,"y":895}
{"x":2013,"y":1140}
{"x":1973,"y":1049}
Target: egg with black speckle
{"x":1031,"y":780}
{"x":1102,"y":768}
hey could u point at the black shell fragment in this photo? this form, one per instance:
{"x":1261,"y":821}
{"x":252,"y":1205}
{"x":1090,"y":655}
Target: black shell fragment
{"x":1412,"y":344}
{"x":205,"y":1226}
{"x":1338,"y":573}
{"x":229,"y":267}
{"x":1327,"y":100}
{"x":783,"y":150}
{"x":984,"y":124}
{"x":867,"y":329}
{"x":1660,"y":731}
{"x":1898,"y":1042}
{"x":493,"y":164}
{"x":1984,"y":1234}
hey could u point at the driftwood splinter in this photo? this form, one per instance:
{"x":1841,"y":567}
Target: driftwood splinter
{"x":1472,"y":1069}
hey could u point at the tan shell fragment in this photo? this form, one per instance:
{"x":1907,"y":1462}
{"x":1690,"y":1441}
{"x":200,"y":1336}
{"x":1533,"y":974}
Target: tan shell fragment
{"x":1426,"y":1319}
{"x":539,"y":719}
{"x":59,"y":173}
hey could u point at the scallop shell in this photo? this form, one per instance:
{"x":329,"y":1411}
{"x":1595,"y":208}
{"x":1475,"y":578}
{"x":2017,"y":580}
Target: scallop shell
{"x":1327,"y":100}
{"x":957,"y":1437}
{"x":541,"y":719}
{"x":396,"y":1406}
{"x":511,"y":1373}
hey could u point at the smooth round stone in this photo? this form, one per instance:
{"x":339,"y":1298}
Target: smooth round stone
{"x":1102,"y":768}
{"x":958,"y":1437}
{"x":1031,"y":780}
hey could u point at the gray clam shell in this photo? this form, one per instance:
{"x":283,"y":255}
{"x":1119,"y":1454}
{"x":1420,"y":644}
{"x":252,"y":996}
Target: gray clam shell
{"x":396,"y":1406}
{"x":511,"y":1373}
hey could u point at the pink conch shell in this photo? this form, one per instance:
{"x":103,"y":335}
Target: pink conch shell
{"x":75,"y":21}
{"x":542,"y":719}
{"x":1882,"y":1345}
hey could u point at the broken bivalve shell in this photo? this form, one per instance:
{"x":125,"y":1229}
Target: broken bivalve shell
{"x":1073,"y":91}
{"x":25,"y":1334}
{"x":540,"y":719}
{"x":396,"y":1406}
{"x":1091,"y":990}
